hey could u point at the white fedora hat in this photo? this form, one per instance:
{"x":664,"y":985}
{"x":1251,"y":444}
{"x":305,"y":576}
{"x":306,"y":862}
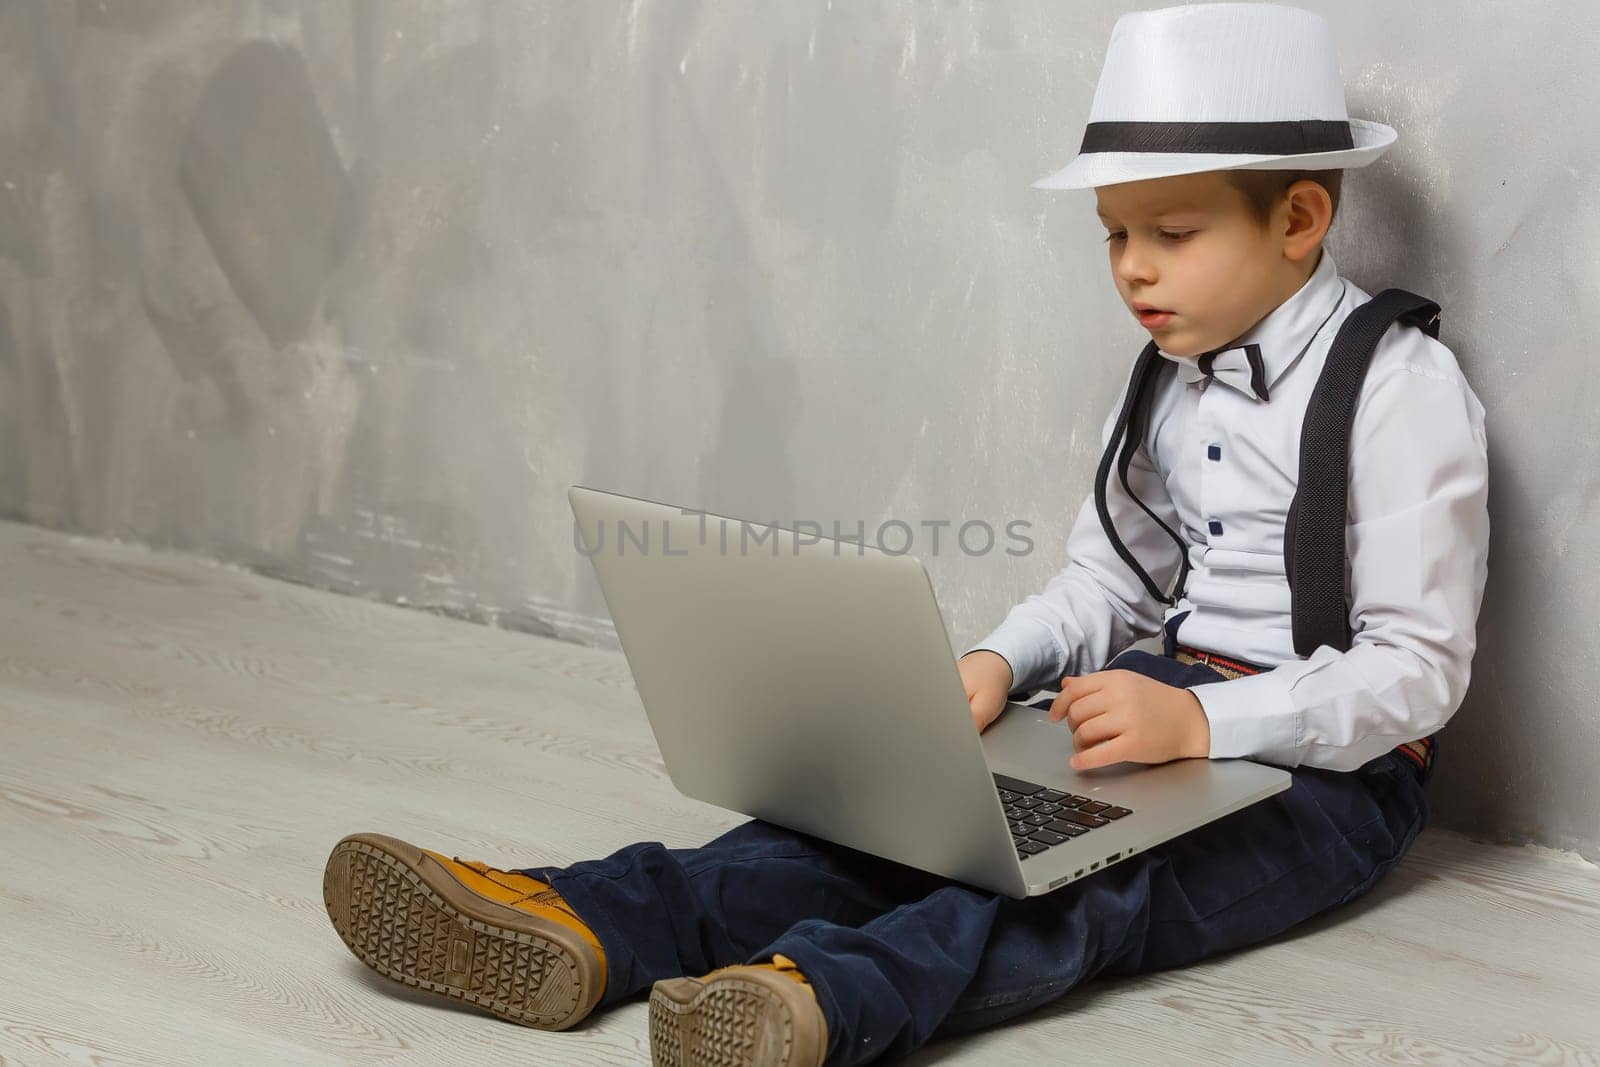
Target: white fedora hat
{"x":1251,"y":86}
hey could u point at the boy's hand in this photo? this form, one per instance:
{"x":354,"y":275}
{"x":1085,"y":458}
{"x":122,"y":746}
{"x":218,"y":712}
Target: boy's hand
{"x":1123,"y":715}
{"x":987,"y":677}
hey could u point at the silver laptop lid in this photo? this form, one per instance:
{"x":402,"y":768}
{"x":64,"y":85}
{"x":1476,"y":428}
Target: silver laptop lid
{"x":810,"y":683}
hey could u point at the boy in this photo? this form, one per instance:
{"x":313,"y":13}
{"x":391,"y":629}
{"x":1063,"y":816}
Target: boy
{"x":1215,"y":146}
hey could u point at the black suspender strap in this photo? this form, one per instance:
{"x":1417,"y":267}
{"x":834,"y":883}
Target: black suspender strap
{"x":1130,"y":429}
{"x":1314,"y":536}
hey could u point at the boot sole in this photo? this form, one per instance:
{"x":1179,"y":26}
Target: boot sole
{"x":757,"y":1019}
{"x":403,"y":915}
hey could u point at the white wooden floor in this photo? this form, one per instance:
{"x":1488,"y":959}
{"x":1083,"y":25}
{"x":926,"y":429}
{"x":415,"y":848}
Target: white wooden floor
{"x":181,"y":743}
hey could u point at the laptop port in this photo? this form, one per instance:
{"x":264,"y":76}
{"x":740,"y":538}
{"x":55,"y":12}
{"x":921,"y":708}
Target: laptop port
{"x":1113,"y":857}
{"x":1092,"y":866}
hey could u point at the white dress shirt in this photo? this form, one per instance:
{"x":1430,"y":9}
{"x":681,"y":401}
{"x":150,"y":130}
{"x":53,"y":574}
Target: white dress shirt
{"x":1220,"y":466}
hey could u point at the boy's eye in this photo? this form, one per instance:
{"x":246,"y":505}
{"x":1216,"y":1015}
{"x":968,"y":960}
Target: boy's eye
{"x":1168,"y":234}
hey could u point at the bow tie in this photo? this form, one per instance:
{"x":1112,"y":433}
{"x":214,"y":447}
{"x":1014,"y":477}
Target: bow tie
{"x":1241,"y":367}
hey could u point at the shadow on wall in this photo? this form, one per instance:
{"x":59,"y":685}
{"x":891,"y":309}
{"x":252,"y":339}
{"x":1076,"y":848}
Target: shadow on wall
{"x":260,"y":170}
{"x":1408,"y":234}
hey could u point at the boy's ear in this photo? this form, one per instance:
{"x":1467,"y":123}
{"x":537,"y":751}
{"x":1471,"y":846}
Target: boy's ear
{"x":1306,"y":215}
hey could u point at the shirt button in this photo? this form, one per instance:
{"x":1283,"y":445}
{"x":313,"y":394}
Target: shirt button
{"x":1214,"y":452}
{"x":1215,"y":526}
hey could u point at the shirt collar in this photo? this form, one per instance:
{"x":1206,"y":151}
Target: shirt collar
{"x":1285,"y":333}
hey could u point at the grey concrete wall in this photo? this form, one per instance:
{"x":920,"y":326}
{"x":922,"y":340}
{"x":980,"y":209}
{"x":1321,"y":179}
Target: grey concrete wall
{"x":350,"y":292}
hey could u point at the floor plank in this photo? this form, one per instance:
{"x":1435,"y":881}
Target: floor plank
{"x":181,"y":743}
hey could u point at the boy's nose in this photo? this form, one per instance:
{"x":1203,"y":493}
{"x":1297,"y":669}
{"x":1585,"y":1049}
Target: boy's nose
{"x":1134,"y":266}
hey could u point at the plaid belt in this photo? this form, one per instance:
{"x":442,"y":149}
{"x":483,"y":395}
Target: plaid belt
{"x":1419,"y":752}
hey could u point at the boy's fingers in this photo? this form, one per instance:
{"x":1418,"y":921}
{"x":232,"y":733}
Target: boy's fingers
{"x":1074,"y":687}
{"x":1058,"y":706}
{"x":982,"y":719}
{"x":1080,"y":710}
{"x":1061,"y":706}
{"x":1107,"y":752}
{"x":1086,"y":683}
{"x":1095,"y":730}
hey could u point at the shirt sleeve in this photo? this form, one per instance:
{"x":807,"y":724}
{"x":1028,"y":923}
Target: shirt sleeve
{"x":1417,"y":549}
{"x":1096,"y":606}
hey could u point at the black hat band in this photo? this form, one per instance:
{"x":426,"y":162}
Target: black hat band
{"x":1290,"y":138}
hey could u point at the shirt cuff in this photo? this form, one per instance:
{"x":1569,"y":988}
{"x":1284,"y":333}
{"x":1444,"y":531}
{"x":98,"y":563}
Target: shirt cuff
{"x":1252,"y":717}
{"x":1035,"y":658}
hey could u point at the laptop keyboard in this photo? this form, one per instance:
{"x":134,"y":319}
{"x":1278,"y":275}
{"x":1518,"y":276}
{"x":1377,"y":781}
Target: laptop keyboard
{"x":1041,"y":818}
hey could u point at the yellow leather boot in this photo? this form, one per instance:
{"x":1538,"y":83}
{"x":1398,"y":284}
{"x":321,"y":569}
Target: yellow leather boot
{"x":755,"y":1015}
{"x":497,"y":940}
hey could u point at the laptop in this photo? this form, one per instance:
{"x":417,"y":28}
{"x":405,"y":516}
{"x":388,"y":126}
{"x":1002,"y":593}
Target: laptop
{"x":810,"y":682}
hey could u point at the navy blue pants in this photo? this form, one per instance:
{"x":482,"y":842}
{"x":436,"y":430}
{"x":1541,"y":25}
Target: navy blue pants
{"x":898,"y":957}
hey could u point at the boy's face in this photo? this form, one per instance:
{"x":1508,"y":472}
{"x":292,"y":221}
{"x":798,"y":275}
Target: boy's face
{"x":1188,"y":245}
